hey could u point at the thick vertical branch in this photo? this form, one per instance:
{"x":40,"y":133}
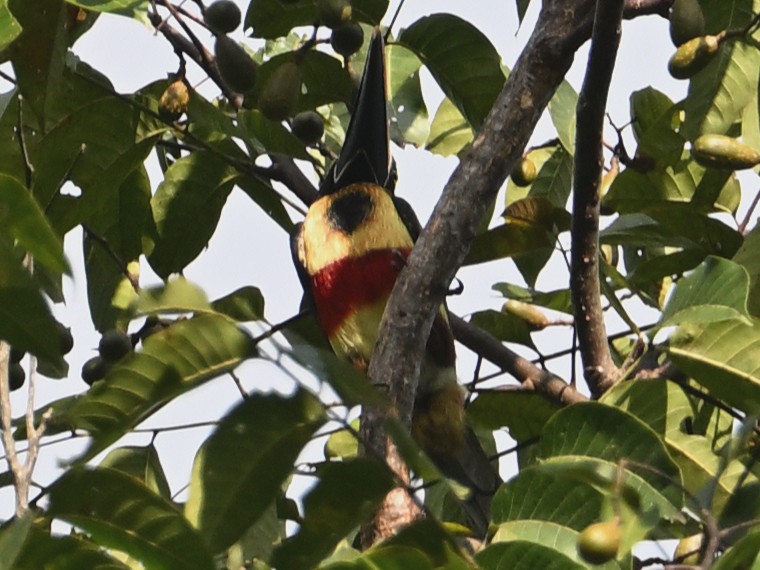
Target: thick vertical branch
{"x":562,"y":26}
{"x":599,"y":369}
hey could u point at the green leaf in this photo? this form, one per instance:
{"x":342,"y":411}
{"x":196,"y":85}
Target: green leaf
{"x":75,"y":552}
{"x":271,"y":18}
{"x":716,"y":291}
{"x":554,"y":178}
{"x":506,"y":241}
{"x":724,"y":357}
{"x":718,"y":94}
{"x":597,"y":431}
{"x":449,"y":132}
{"x":38,"y":54}
{"x":178,"y":296}
{"x":119,"y":512}
{"x":259,"y":540}
{"x":409,"y":116}
{"x":562,"y":111}
{"x":504,"y":326}
{"x":655,"y":119}
{"x":561,"y":538}
{"x":390,"y":557}
{"x":344,"y":443}
{"x":130,"y":8}
{"x":749,"y":257}
{"x":537,"y":495}
{"x":12,"y":537}
{"x":23,"y":220}
{"x":244,"y":304}
{"x":346,"y":494}
{"x":142,"y":463}
{"x":680,"y":182}
{"x":25,"y":319}
{"x":192,"y":194}
{"x":558,"y":300}
{"x":524,"y":555}
{"x":173,"y":361}
{"x":273,"y":137}
{"x":523,"y":412}
{"x":461,"y":59}
{"x":693,"y":430}
{"x":9,"y":26}
{"x":522,"y":9}
{"x":744,"y":554}
{"x":268,"y":200}
{"x":241,"y":467}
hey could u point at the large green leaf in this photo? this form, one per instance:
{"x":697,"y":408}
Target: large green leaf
{"x":562,"y":111}
{"x":244,"y":304}
{"x":508,"y":240}
{"x":240,"y":469}
{"x":749,"y":257}
{"x":554,"y":178}
{"x":655,"y":119}
{"x":537,"y":495}
{"x":346,"y":494}
{"x":719,"y":93}
{"x":558,"y":300}
{"x":744,"y":554}
{"x":39,"y":52}
{"x":142,"y":463}
{"x":192,"y":195}
{"x":409,"y":116}
{"x":449,"y":132}
{"x":12,"y":537}
{"x":173,"y":361}
{"x":561,"y":538}
{"x":272,"y":18}
{"x":25,"y":319}
{"x":178,"y":296}
{"x":119,"y":512}
{"x":9,"y":26}
{"x":523,"y":412}
{"x":386,"y":557}
{"x":461,"y":59}
{"x":504,"y":326}
{"x":131,"y":8}
{"x":524,"y":555}
{"x":694,"y":431}
{"x":724,"y":357}
{"x":41,"y":550}
{"x":22,"y":220}
{"x":717,"y":290}
{"x":596,"y":431}
{"x":272,"y":137}
{"x":683,"y":181}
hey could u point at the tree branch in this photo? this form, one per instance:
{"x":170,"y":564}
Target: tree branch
{"x":635,"y":8}
{"x":599,"y":369}
{"x":561,"y":28}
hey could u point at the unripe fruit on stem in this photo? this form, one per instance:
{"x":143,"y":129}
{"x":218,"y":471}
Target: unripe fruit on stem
{"x":308,"y":126}
{"x":114,"y":345}
{"x":721,"y":151}
{"x":686,"y":21}
{"x":222,"y":17}
{"x":174,"y":101}
{"x":532,"y":316}
{"x":347,"y":39}
{"x":693,"y":56}
{"x":16,"y":376}
{"x":65,"y":338}
{"x":279,"y":97}
{"x":333,"y":13}
{"x":235,"y":66}
{"x":599,"y":542}
{"x":524,"y":173}
{"x":95,"y":369}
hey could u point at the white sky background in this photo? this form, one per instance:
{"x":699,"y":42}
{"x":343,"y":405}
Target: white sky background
{"x":248,"y":249}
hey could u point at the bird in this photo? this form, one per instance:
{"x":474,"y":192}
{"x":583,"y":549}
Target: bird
{"x":348,"y":252}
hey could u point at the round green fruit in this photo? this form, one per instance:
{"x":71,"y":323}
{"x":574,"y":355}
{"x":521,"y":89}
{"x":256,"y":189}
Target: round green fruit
{"x":235,"y":66}
{"x":114,"y":345}
{"x":333,"y":13}
{"x":687,"y":21}
{"x":308,"y":126}
{"x":599,"y":542}
{"x":347,"y":39}
{"x":16,"y":376}
{"x":222,"y":17}
{"x":95,"y":369}
{"x":524,"y":173}
{"x":279,"y":97}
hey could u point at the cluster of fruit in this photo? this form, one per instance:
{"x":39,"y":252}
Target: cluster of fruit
{"x":687,"y":30}
{"x":278,"y":97}
{"x":16,"y":372}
